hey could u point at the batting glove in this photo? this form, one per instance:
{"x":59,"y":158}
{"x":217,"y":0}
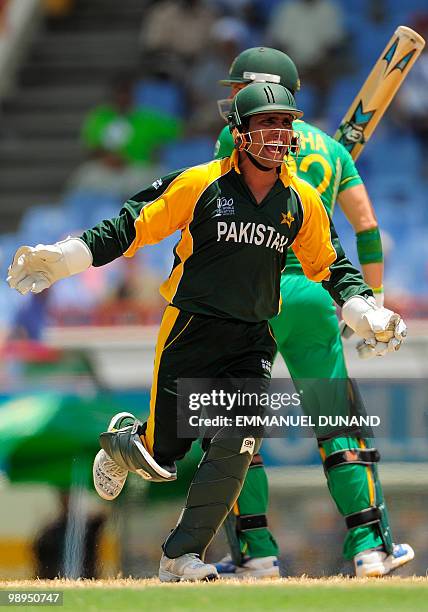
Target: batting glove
{"x":37,"y":268}
{"x":383,"y":330}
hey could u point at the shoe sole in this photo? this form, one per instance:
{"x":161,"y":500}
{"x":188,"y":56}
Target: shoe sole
{"x":101,"y":493}
{"x":165,"y":576}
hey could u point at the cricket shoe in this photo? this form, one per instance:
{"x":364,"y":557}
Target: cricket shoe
{"x":110,"y":478}
{"x":376,"y":562}
{"x":187,"y":567}
{"x":255,"y":567}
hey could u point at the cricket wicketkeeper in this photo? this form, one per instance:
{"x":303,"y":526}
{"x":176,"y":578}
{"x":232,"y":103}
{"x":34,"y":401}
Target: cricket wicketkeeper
{"x":238,"y":216}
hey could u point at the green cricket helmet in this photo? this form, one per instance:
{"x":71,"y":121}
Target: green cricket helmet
{"x":263,"y":98}
{"x":260,"y":65}
{"x":264,"y":65}
{"x":260,"y":98}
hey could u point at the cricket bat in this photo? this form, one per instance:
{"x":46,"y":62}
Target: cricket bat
{"x":378,"y":90}
{"x":375,"y":96}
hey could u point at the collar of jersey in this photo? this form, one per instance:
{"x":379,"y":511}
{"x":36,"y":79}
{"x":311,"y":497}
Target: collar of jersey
{"x":234,"y":158}
{"x":286,"y":174}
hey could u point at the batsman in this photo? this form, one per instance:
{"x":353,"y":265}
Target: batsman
{"x":309,"y":340}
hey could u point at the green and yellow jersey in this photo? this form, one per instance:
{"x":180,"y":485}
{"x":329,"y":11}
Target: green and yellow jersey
{"x":322,"y":162}
{"x":232,"y":251}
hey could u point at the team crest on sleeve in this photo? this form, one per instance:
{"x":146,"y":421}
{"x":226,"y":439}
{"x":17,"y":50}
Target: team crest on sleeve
{"x":225,"y":207}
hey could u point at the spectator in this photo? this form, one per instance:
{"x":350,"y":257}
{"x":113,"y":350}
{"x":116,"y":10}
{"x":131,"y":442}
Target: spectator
{"x":135,"y":298}
{"x":228,"y":37}
{"x":124,"y":131}
{"x":177,"y":27}
{"x":158,"y":88}
{"x":31,"y":318}
{"x":312,"y":33}
{"x":254,"y":13}
{"x":108,"y":174}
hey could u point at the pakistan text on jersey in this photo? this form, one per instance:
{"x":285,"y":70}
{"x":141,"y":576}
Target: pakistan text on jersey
{"x":251,"y":233}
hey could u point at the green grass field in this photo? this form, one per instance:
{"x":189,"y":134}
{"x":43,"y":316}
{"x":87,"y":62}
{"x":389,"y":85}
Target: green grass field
{"x":311,"y":595}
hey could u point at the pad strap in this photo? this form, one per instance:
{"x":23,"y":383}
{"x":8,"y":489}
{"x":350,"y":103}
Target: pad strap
{"x":361,"y":456}
{"x":363,"y":518}
{"x":251,"y":521}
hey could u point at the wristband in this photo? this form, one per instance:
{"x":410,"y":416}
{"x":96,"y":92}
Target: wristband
{"x":369,"y":246}
{"x":76,"y":253}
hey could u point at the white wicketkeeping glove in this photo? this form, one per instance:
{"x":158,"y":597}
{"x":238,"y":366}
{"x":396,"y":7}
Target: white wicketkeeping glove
{"x":383,"y":331}
{"x":37,"y":268}
{"x":365,"y":351}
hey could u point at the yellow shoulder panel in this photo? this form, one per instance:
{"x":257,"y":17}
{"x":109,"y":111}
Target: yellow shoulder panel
{"x":213,"y":170}
{"x":173,"y":209}
{"x":313,"y":245}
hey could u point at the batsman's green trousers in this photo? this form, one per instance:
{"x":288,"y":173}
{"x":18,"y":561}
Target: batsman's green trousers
{"x":308,"y":339}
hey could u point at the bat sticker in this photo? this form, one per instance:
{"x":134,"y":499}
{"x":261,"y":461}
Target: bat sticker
{"x":353,"y":130}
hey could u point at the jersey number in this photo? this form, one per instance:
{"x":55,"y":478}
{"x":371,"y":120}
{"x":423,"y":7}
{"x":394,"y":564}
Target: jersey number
{"x":307,"y":161}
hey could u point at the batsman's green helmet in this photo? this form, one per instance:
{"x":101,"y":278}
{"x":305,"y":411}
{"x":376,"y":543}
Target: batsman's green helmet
{"x":260,"y":98}
{"x":264,"y":65}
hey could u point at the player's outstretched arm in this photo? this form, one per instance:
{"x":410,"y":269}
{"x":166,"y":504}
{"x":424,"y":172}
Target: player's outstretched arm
{"x":34,"y":269}
{"x":147,"y":218}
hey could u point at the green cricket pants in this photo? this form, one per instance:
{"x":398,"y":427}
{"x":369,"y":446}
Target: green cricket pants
{"x":308,"y":339}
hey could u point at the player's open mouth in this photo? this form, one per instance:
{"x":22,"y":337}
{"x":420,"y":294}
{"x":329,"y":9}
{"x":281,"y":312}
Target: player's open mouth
{"x":274,"y":147}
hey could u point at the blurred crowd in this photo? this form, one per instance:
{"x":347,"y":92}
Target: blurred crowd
{"x":163,"y":116}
